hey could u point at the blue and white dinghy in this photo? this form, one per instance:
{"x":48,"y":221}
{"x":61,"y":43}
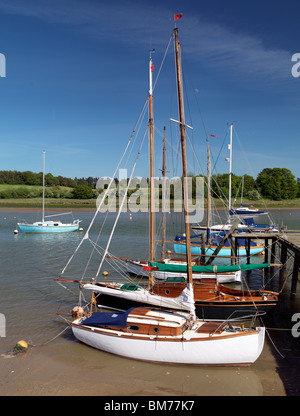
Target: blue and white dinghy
{"x":48,"y":226}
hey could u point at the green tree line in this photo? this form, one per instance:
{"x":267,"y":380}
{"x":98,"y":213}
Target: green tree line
{"x":271,"y":183}
{"x":14,"y":177}
{"x":275,"y":184}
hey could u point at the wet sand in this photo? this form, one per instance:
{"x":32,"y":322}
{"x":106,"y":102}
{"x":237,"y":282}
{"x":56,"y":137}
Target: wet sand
{"x":51,"y":371}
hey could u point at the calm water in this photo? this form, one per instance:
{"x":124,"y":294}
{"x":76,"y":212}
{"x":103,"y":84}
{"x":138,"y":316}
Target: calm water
{"x":30,"y":299}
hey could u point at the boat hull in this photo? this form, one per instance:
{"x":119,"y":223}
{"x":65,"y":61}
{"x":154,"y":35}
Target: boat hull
{"x":225,"y":251}
{"x":30,"y":228}
{"x":237,"y":350}
{"x":215,"y":311}
{"x":136,"y":268}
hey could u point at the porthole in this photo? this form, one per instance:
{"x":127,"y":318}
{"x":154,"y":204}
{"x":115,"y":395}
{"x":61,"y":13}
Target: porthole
{"x":167,"y":292}
{"x":133,"y":327}
{"x":156,"y":330}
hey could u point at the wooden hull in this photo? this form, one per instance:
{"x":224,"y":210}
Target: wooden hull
{"x":204,"y":310}
{"x":216,"y":301}
{"x":212,"y":301}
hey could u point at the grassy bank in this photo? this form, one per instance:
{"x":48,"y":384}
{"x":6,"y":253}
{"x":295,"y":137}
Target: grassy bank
{"x":36,"y":203}
{"x":90,"y":204}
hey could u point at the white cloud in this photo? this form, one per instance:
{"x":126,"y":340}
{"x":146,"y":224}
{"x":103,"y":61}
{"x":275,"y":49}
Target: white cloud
{"x":138,"y":23}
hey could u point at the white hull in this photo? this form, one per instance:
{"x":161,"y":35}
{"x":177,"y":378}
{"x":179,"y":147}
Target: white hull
{"x":136,"y":267}
{"x":241,"y":349}
{"x":143,"y":296}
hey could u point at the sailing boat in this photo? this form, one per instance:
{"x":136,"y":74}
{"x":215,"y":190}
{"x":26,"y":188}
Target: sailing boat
{"x":212,"y":299}
{"x":43,"y":226}
{"x":245,"y":213}
{"x":123,"y":296}
{"x":166,"y":336}
{"x":215,"y":233}
{"x":139,"y":267}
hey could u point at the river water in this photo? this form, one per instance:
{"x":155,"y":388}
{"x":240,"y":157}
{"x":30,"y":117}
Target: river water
{"x":56,"y":364}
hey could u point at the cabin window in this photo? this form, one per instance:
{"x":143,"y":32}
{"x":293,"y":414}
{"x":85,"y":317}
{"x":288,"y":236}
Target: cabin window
{"x":156,"y":329}
{"x":55,"y":224}
{"x":133,"y":327}
{"x":167,"y":292}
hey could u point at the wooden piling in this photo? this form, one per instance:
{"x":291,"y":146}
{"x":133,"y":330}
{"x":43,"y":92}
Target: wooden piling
{"x":281,"y":246}
{"x":295,"y":275}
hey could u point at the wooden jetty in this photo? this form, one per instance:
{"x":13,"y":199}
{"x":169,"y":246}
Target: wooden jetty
{"x":275,"y":245}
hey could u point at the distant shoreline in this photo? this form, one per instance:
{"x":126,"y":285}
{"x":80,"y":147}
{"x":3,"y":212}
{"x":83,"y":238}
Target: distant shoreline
{"x":93,"y":209}
{"x":89,"y":205}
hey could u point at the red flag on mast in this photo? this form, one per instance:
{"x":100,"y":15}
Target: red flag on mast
{"x":177,"y":16}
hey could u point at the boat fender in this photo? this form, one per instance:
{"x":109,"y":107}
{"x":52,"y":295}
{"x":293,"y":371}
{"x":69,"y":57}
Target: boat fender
{"x":105,"y":273}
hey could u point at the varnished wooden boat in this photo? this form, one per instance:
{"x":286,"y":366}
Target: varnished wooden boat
{"x":212,"y":300}
{"x":168,"y":337}
{"x":216,"y":301}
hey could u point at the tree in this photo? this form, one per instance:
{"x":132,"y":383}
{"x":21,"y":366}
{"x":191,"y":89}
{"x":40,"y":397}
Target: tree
{"x":277,"y":184}
{"x":253,"y":195}
{"x":51,"y":180}
{"x":220,"y":185}
{"x":30,"y":178}
{"x":83,"y":192}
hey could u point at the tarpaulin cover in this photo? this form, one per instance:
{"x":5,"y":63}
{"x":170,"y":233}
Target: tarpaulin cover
{"x":108,"y":319}
{"x":207,"y":269}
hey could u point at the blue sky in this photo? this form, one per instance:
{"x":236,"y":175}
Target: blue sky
{"x":77,"y":78}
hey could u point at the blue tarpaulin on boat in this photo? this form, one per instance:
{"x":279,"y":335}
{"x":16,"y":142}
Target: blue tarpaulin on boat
{"x":108,"y":319}
{"x":250,"y":221}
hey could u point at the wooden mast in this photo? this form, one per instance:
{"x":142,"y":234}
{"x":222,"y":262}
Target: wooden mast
{"x":184,"y":169}
{"x":151,"y":150}
{"x":208,"y":188}
{"x":43,"y":213}
{"x":163,"y":199}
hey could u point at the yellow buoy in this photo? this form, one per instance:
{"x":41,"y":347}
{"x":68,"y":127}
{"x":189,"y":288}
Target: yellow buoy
{"x":21,"y":346}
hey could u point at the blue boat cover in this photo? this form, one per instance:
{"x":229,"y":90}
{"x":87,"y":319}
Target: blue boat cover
{"x":250,"y":221}
{"x":108,"y":319}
